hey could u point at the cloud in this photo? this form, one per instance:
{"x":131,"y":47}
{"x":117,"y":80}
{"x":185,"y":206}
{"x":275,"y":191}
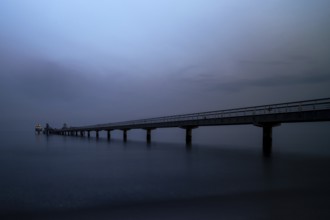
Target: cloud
{"x":298,"y":71}
{"x":272,"y":81}
{"x":265,"y":62}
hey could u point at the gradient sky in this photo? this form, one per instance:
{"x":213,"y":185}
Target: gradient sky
{"x":88,"y":62}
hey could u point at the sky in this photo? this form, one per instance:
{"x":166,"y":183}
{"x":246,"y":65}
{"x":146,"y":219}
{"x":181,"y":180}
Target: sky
{"x":86,"y":62}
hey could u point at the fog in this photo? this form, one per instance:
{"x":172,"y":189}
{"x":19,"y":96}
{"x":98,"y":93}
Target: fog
{"x":88,"y":62}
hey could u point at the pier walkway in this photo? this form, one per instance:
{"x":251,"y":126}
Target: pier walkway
{"x":264,"y":116}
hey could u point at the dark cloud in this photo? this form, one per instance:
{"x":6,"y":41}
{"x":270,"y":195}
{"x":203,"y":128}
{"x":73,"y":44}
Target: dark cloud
{"x":309,"y":78}
{"x":265,"y":62}
{"x":257,"y":74}
{"x":298,"y":57}
{"x":287,"y":59}
{"x":272,"y":81}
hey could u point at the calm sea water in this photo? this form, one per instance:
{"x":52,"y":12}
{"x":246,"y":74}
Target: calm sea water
{"x":59,"y":174}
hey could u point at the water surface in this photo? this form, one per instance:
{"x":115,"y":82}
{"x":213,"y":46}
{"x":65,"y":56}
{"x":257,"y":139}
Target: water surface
{"x":58,"y":176}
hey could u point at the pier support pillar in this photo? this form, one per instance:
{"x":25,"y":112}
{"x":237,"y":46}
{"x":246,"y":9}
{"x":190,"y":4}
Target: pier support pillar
{"x":88,"y":133}
{"x":97,"y":134}
{"x":189,"y":134}
{"x":108,"y":135}
{"x":148,"y":137}
{"x":81,"y":133}
{"x":76,"y":133}
{"x":125,"y":134}
{"x":267,"y":140}
{"x":267,"y":137}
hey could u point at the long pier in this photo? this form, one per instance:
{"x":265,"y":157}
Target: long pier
{"x":264,"y":116}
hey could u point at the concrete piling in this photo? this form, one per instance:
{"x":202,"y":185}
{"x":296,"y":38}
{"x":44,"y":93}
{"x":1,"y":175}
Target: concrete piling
{"x":148,"y":135}
{"x":188,"y":136}
{"x":108,"y":135}
{"x":125,"y":135}
{"x":267,"y":140}
{"x":267,"y":137}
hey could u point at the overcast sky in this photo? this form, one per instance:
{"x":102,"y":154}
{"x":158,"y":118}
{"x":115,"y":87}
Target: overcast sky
{"x":88,"y":62}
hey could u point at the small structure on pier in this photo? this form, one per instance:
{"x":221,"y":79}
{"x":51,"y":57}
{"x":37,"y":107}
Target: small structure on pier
{"x":65,"y":126}
{"x":38,"y":129}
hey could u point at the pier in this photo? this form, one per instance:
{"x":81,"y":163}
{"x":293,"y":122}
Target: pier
{"x":265,"y":116}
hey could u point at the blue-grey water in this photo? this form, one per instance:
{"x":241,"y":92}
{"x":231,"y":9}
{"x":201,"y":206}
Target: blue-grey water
{"x":59,"y":177}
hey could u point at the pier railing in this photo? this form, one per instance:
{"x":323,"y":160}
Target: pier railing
{"x":302,"y":106}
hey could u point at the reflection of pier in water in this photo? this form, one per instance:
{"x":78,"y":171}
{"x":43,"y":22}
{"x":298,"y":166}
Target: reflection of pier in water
{"x":265,"y":116}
